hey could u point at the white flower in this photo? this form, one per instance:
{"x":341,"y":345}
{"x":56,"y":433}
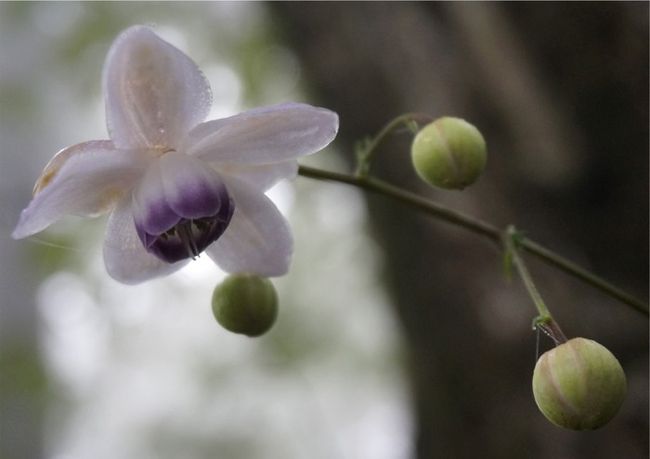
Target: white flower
{"x":177,"y":186}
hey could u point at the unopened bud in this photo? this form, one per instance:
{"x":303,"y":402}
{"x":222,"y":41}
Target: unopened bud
{"x":449,"y":153}
{"x":579,"y":385}
{"x":245,"y":304}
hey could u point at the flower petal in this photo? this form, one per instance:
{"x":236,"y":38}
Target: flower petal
{"x":177,"y":186}
{"x":192,"y":188}
{"x":85,"y":179}
{"x":264,"y":135}
{"x":258,"y":239}
{"x":263,"y":176}
{"x":154,"y":92}
{"x":180,"y":207}
{"x":125,"y":257}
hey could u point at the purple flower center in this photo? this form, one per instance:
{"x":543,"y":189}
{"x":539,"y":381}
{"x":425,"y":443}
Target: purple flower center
{"x":188,"y":237}
{"x":180,"y":207}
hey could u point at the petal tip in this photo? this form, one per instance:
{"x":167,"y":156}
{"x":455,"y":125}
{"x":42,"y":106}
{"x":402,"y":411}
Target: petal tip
{"x":24,"y":227}
{"x":17,"y":233}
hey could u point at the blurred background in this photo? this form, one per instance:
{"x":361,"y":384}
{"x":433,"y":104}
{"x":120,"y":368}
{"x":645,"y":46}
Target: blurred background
{"x":398,"y":336}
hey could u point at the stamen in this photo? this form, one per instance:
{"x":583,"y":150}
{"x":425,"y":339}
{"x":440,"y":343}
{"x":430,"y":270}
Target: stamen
{"x":184,"y":230}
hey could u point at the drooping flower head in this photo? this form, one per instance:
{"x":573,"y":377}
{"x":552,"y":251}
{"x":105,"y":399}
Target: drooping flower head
{"x":177,"y":186}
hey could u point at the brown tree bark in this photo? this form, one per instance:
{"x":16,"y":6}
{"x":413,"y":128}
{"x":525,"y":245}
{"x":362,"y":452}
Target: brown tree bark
{"x":560,"y":92}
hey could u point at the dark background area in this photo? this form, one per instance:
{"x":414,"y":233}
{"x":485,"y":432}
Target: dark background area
{"x":560,"y":92}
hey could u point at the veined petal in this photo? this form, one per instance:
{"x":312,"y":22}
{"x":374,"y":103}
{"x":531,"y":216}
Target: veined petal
{"x":154,"y":93}
{"x":258,"y":239}
{"x":59,"y":159}
{"x":125,"y":257}
{"x":264,"y":135}
{"x":84,"y":179}
{"x":263,"y":176}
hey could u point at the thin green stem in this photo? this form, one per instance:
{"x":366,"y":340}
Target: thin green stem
{"x":513,"y":251}
{"x":424,"y":205}
{"x":476,"y":226}
{"x":366,"y":153}
{"x":545,"y":320}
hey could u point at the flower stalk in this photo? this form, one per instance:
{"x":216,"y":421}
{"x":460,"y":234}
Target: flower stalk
{"x":476,"y":226}
{"x":544,"y":321}
{"x":366,"y":150}
{"x":362,"y":180}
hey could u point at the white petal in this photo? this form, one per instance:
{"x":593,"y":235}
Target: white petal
{"x":262,"y":176}
{"x":258,"y":239}
{"x":86,"y":179}
{"x":154,"y":93}
{"x":125,"y":258}
{"x":264,"y":135}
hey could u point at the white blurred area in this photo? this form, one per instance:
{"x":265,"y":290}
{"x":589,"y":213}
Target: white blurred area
{"x":145,"y":371}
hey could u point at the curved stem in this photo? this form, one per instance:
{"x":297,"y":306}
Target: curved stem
{"x":476,"y":226}
{"x":365,"y":155}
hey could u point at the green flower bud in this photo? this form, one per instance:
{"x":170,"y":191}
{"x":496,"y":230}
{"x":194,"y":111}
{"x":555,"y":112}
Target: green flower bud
{"x":246,"y":304}
{"x":449,"y":153}
{"x":579,"y":385}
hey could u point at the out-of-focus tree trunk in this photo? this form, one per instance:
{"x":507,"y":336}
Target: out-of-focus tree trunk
{"x":560,"y":92}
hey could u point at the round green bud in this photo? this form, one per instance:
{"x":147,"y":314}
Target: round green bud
{"x":449,"y":153}
{"x":579,"y":385}
{"x":245,"y":304}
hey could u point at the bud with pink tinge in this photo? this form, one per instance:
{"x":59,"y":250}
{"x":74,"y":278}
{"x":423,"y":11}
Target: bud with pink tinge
{"x":449,"y":153}
{"x":579,"y":385}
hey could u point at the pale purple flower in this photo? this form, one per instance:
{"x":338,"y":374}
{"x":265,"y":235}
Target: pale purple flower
{"x":177,"y":186}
